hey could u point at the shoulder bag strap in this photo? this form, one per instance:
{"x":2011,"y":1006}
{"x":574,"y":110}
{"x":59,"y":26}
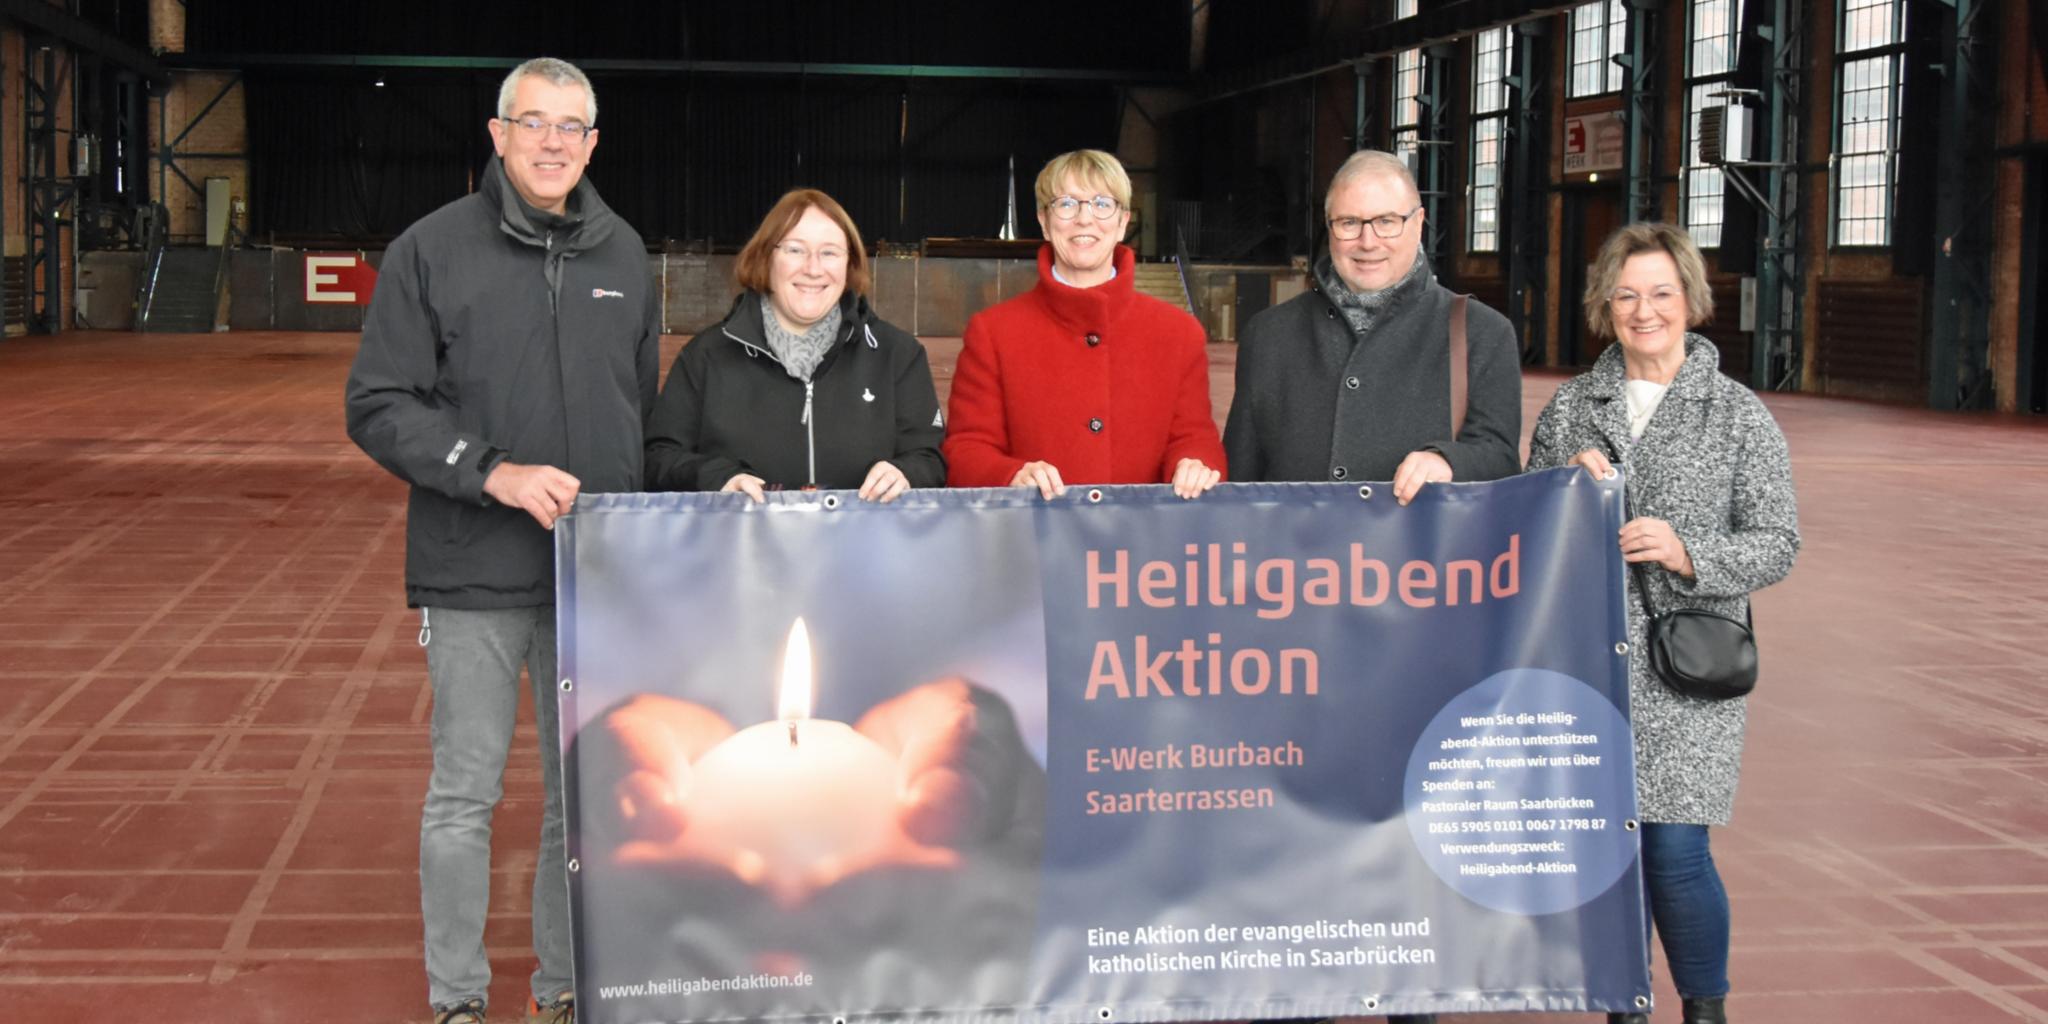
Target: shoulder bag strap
{"x":1460,"y":359}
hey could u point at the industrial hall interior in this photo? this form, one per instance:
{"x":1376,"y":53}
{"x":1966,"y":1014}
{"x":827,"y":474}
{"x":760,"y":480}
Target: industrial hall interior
{"x":223,"y":738}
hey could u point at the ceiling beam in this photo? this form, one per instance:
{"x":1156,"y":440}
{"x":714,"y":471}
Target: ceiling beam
{"x":40,"y":16}
{"x":275,"y":61}
{"x":1439,"y":22}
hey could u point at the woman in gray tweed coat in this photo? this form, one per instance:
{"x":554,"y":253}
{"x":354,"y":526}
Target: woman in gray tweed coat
{"x":1713,"y":519}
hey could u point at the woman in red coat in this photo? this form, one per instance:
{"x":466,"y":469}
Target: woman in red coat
{"x":1083,"y":379}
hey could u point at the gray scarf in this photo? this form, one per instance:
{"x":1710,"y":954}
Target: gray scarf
{"x":1362,"y":309}
{"x":800,"y":353}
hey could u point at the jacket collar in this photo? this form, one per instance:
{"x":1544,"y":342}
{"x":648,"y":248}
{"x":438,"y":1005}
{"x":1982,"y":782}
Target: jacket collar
{"x":1609,"y":380}
{"x":1087,"y":309}
{"x":743,"y":323}
{"x":584,"y":222}
{"x":1323,"y":278}
{"x":1694,"y":382}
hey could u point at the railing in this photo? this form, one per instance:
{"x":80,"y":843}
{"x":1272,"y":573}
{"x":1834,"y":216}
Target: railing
{"x":228,"y":243}
{"x":1180,"y":264}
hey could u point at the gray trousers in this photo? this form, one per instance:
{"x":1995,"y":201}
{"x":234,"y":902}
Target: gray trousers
{"x":473,"y":660}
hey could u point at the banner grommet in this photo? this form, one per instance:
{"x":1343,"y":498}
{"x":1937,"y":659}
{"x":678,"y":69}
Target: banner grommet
{"x":1095,"y":497}
{"x":568,"y":685}
{"x":1371,"y":1002}
{"x":831,"y":501}
{"x":1365,"y":492}
{"x":1621,"y":649}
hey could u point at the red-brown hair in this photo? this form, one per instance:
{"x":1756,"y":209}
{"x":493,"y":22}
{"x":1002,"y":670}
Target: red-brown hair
{"x":759,"y":253}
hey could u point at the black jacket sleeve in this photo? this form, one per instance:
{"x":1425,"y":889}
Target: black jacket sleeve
{"x":919,"y":427}
{"x":647,"y":358}
{"x":1240,"y":431}
{"x":397,"y":413}
{"x":674,"y":428}
{"x":1489,"y":446}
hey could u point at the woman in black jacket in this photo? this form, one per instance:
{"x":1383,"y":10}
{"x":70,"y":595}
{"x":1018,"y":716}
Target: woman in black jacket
{"x":801,"y":385}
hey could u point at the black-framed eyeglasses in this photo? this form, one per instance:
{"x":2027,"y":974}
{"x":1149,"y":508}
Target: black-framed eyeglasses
{"x":1068,"y":207}
{"x":572,"y":132}
{"x":1388,"y":225}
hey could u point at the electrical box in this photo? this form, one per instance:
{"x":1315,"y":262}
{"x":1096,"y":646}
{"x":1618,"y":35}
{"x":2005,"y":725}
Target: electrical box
{"x":1725,"y":134}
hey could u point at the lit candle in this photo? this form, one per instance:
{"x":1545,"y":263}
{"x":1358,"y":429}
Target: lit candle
{"x":796,"y":803}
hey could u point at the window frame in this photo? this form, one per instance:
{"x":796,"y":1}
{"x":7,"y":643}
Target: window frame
{"x":1694,"y":174}
{"x":1489,"y":117}
{"x":1892,"y":54}
{"x":1613,"y":24}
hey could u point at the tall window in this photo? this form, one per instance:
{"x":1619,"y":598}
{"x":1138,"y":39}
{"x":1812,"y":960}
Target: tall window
{"x":1599,"y":34}
{"x":1709,"y":67}
{"x":1489,"y":121}
{"x":1407,"y":112}
{"x":1870,"y":48}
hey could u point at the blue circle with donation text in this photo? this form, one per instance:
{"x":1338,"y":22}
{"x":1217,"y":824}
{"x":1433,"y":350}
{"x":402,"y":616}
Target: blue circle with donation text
{"x":1520,"y":793}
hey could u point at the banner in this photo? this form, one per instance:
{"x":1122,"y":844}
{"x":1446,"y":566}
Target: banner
{"x":1285,"y":750}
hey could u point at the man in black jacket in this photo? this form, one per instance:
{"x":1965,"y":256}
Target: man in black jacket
{"x":1352,"y":379}
{"x":507,"y":363}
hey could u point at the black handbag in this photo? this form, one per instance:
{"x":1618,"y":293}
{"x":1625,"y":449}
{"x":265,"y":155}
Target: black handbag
{"x":1698,"y":653}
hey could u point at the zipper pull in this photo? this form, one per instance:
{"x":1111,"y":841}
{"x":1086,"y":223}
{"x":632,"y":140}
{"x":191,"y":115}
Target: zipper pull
{"x":808,"y":386}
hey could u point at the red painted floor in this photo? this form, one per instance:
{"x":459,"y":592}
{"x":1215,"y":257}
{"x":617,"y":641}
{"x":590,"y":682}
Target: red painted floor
{"x":213,"y":741}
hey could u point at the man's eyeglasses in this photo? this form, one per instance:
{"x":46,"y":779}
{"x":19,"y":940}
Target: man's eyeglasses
{"x":1390,"y":225}
{"x":573,"y":132}
{"x":1068,"y":207}
{"x":1662,"y":300}
{"x":799,"y":254}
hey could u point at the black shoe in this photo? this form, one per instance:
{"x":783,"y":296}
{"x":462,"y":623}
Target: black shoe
{"x":1628,"y":1018}
{"x":1706,"y":1011}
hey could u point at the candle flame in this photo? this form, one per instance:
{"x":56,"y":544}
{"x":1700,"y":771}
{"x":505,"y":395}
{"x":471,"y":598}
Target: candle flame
{"x":794,"y":698}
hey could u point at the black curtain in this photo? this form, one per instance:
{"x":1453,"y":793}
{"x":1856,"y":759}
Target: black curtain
{"x":1136,"y":34}
{"x":349,"y":159}
{"x":680,"y":157}
{"x":962,"y":136}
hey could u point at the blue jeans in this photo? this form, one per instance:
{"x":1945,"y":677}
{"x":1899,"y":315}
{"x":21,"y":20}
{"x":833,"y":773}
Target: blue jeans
{"x":1689,"y":907}
{"x":473,"y":660}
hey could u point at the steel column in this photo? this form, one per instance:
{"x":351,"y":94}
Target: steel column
{"x":1959,"y":371}
{"x":1433,"y":151}
{"x":1776,"y":362}
{"x":1645,"y":102}
{"x":1525,"y":197}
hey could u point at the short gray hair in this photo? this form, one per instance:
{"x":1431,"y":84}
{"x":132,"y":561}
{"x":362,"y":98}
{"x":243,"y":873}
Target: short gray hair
{"x":556,"y":71}
{"x":1371,"y":161}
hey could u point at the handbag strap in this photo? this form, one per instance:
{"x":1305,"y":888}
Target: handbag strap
{"x":1650,"y":613}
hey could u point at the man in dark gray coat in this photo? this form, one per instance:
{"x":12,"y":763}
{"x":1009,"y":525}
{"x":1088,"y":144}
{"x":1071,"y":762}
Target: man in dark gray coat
{"x":1351,"y":380}
{"x":507,"y":364}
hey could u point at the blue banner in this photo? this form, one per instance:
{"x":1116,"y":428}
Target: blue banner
{"x":1287,"y":750}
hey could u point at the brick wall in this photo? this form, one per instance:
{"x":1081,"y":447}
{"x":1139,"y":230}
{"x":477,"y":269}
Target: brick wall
{"x":223,"y":129}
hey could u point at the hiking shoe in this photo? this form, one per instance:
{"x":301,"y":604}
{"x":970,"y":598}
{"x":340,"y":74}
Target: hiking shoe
{"x":469,"y":1011}
{"x":560,"y":1011}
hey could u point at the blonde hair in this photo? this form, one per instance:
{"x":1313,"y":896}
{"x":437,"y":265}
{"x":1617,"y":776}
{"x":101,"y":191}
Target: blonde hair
{"x":751,"y":269}
{"x":1635,"y":240}
{"x":1089,"y":167}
